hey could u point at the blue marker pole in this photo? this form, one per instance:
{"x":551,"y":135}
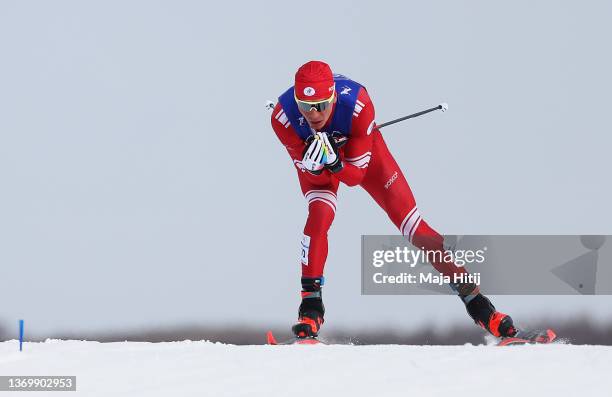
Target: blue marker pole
{"x":20,"y":335}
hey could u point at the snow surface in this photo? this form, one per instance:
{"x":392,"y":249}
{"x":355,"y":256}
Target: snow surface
{"x":212,"y":369}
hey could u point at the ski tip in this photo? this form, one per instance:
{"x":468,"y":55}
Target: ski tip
{"x":270,"y":339}
{"x":551,"y":335}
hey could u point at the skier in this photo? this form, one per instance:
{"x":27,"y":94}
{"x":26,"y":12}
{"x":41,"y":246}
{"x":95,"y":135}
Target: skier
{"x":326,"y":122}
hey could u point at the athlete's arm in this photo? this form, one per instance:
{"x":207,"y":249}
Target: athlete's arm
{"x":295,"y":146}
{"x":358,"y":149}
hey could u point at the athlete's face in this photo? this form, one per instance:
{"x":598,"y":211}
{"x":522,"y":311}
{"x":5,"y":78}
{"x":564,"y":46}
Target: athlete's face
{"x":317,"y":119}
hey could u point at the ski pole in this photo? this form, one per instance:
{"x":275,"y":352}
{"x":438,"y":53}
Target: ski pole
{"x":443,"y":107}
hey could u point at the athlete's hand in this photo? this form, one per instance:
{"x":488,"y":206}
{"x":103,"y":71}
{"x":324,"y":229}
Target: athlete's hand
{"x":332,"y":161}
{"x":314,"y":155}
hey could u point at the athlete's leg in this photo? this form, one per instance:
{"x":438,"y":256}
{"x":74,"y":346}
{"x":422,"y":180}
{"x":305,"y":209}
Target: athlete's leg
{"x":321,"y":201}
{"x":385,"y":182}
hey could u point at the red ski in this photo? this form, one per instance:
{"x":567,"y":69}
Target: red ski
{"x":271,"y":340}
{"x":527,"y":338}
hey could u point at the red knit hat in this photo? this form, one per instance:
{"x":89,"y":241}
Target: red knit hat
{"x":314,"y":81}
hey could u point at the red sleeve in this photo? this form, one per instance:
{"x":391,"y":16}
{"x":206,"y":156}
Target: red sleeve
{"x":295,"y":146}
{"x":358,"y":149}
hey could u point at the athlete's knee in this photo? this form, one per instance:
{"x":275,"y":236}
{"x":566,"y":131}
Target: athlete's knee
{"x":320,"y":219}
{"x":321,"y":211}
{"x":418,"y":232}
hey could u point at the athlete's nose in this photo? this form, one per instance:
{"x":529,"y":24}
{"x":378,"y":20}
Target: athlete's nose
{"x":316,"y":116}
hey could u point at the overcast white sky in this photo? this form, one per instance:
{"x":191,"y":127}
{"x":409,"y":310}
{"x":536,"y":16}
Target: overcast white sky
{"x":142,"y":185}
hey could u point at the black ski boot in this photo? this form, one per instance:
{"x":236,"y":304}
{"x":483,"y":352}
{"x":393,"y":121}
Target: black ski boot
{"x":484,"y":314}
{"x":501,"y":325}
{"x":311,"y":311}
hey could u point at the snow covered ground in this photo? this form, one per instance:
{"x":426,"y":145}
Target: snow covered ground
{"x":209,"y":369}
